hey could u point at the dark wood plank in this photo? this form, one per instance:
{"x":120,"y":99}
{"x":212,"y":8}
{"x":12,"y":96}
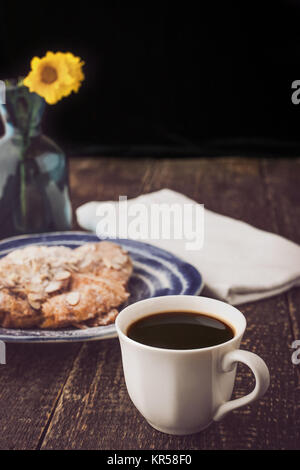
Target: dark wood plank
{"x":106,"y":179}
{"x":94,"y":410}
{"x":282,"y":178}
{"x":30,"y":385}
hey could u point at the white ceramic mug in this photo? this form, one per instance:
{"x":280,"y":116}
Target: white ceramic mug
{"x":183,"y":391}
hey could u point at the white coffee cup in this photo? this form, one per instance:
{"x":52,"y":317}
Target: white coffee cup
{"x":183,"y":391}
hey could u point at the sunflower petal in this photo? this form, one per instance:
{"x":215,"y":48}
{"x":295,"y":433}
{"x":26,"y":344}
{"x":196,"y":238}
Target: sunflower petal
{"x":66,"y":73}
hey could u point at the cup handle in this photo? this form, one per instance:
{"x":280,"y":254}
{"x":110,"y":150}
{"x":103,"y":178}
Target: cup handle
{"x":260,"y":371}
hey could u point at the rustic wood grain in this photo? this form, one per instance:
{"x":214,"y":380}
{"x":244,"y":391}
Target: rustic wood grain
{"x":106,"y":179}
{"x":283,"y":182}
{"x":282,"y":179}
{"x":30,"y":385}
{"x":74,"y":396}
{"x":94,"y":398}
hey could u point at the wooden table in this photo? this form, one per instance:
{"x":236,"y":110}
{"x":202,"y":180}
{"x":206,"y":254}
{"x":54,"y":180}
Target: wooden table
{"x":73,"y":396}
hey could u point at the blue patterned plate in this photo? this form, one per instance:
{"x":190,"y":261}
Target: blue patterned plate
{"x":155,"y":272}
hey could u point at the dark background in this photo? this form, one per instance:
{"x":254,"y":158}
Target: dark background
{"x":199,"y":78}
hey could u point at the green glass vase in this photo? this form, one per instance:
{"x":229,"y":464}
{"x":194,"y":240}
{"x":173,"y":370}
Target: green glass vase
{"x":34,"y":189}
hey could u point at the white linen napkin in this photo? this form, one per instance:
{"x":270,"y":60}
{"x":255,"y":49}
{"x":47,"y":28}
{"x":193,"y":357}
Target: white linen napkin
{"x":239,"y":263}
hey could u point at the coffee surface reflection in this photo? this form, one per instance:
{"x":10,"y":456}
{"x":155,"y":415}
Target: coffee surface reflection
{"x":180,"y":330}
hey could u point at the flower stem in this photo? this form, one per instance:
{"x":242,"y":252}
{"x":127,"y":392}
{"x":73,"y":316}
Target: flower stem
{"x":23,"y":205}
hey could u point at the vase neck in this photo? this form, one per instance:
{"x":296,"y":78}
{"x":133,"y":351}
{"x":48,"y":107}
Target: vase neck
{"x":23,"y":111}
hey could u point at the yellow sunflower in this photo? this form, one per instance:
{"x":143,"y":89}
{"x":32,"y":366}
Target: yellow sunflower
{"x":55,"y":75}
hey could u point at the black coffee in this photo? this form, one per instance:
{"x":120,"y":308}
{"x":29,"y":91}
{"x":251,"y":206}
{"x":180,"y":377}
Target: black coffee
{"x":180,"y":330}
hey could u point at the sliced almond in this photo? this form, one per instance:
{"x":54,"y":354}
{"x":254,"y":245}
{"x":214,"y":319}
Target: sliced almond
{"x":62,"y":275}
{"x":8,"y":283}
{"x":117,"y":266}
{"x":123,"y":258}
{"x":13,"y":279}
{"x":34,"y":301}
{"x":73,"y":298}
{"x":73,"y":267}
{"x":85,"y":263}
{"x":34,"y":265}
{"x":35,"y":296}
{"x":35,"y":305}
{"x":35,"y":288}
{"x":118,"y":261}
{"x":53,"y":287}
{"x":36,"y":279}
{"x":107,"y":262}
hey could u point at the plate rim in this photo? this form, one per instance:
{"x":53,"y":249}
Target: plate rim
{"x":101,"y":332}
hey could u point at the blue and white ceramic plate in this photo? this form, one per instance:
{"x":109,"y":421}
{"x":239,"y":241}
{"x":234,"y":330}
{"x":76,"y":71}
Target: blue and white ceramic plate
{"x":155,"y":272}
